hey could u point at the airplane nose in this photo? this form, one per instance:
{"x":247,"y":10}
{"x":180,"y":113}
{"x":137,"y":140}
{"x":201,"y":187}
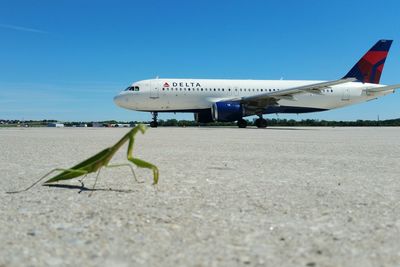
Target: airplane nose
{"x":124,"y":100}
{"x":118,"y":100}
{"x":121,"y":100}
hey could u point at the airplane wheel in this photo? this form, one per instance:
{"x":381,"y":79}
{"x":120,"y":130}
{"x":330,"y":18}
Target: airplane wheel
{"x":242,"y":123}
{"x":261,"y":123}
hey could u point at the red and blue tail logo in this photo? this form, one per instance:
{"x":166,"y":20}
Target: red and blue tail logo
{"x":369,"y":68}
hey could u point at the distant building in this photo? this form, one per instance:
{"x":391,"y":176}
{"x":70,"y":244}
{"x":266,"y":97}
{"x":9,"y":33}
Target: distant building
{"x":55,"y":124}
{"x":122,"y":125}
{"x":97,"y":124}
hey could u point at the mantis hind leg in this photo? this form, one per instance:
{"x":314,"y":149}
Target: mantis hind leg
{"x":95,"y":182}
{"x":128,"y":165}
{"x":112,"y":166}
{"x":81,"y":180}
{"x":47,"y":174}
{"x":82,"y":184}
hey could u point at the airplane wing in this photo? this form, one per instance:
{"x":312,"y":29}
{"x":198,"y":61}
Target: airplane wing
{"x":383,"y":88}
{"x":261,"y":100}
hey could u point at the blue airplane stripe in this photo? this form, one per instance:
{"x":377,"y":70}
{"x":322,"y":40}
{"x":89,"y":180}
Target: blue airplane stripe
{"x":382,"y":45}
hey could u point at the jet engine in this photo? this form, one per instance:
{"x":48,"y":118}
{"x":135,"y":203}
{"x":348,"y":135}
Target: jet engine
{"x":227,"y":111}
{"x":203,"y":116}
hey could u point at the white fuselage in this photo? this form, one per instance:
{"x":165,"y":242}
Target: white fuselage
{"x":188,"y":95}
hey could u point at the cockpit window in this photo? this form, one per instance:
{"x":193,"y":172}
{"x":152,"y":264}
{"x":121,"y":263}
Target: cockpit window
{"x":132,"y":88}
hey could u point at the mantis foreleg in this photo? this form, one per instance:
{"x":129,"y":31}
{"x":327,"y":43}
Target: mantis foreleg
{"x":47,"y":174}
{"x":141,"y":163}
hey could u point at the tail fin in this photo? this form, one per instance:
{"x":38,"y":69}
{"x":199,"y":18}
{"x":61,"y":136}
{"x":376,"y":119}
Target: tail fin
{"x":369,"y":68}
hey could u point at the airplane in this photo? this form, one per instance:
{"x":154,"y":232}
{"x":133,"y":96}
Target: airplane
{"x":232,"y":100}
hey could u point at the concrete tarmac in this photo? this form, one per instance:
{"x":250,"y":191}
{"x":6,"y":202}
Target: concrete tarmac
{"x":226,"y":197}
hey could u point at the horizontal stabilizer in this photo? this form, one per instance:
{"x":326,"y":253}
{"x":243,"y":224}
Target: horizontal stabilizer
{"x":384,"y":88}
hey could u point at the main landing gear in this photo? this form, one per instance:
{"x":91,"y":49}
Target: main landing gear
{"x":154,"y":123}
{"x":242,"y":123}
{"x":260,"y":122}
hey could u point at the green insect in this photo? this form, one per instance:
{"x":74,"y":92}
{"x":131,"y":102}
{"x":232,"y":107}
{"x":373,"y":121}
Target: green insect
{"x":100,"y":160}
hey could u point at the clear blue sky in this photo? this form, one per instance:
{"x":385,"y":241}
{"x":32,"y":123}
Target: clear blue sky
{"x":66,"y":60}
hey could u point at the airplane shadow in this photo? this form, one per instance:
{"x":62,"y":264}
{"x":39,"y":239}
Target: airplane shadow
{"x":290,"y":129}
{"x":281,"y":129}
{"x":83,"y":188}
{"x":249,"y":128}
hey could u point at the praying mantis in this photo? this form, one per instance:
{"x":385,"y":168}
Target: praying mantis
{"x":100,"y":160}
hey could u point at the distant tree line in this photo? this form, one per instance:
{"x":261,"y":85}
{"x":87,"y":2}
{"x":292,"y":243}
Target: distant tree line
{"x":190,"y":123}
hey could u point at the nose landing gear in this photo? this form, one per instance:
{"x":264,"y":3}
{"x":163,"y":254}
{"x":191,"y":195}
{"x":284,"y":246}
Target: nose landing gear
{"x":154,"y":123}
